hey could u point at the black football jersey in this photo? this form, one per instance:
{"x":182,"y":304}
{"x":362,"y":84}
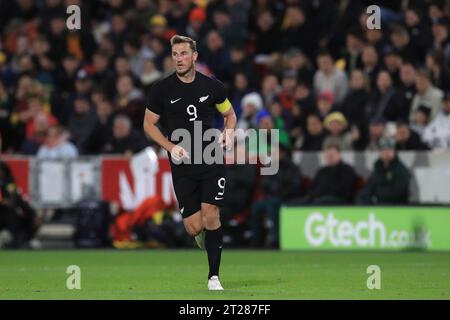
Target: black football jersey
{"x":183,"y":105}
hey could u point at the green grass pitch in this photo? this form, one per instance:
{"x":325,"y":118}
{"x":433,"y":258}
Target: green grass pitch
{"x":176,"y":274}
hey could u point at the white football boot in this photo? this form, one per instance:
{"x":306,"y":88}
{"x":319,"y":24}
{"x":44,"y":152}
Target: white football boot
{"x":214,"y":283}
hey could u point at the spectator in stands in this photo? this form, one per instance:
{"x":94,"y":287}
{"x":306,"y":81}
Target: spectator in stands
{"x":303,"y":106}
{"x":297,"y":31}
{"x":407,"y":89}
{"x":325,"y":104}
{"x":83,"y":86}
{"x":83,"y":82}
{"x":232,"y":34}
{"x":36,"y":108}
{"x":102,"y":128}
{"x":98,"y":95}
{"x":334,"y":183}
{"x":371,"y":67}
{"x":354,"y":104}
{"x":251,"y":104}
{"x":421,"y":120}
{"x":159,"y":49}
{"x":81,"y":122}
{"x":354,"y":45}
{"x":437,"y":133}
{"x":427,"y":95}
{"x":242,"y":64}
{"x":125,"y":139}
{"x":281,"y":120}
{"x":286,"y":96}
{"x":217,"y":55}
{"x":305,"y":99}
{"x":376,"y":38}
{"x":401,"y":41}
{"x":261,"y":147}
{"x":141,"y":14}
{"x":239,"y":89}
{"x":57,"y":37}
{"x":32,"y":144}
{"x":384,"y":101}
{"x":389,"y":181}
{"x":418,"y":30}
{"x":118,"y":29}
{"x":136,"y":55}
{"x":267,"y":34}
{"x":103,"y":76}
{"x":295,"y":60}
{"x":122,"y":67}
{"x":297,"y":124}
{"x":275,"y":190}
{"x":407,"y":139}
{"x":436,"y":11}
{"x":56,"y":145}
{"x":65,"y":77}
{"x":441,"y":40}
{"x":149,"y":75}
{"x":43,"y":65}
{"x":377,"y":130}
{"x":314,"y":135}
{"x":392,"y":63}
{"x":330,"y":78}
{"x":269,"y":88}
{"x":129,"y":100}
{"x":435,"y":62}
{"x":336,"y":125}
{"x":196,"y":25}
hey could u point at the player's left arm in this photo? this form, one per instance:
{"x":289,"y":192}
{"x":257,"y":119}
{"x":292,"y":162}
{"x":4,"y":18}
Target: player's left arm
{"x":227,"y":111}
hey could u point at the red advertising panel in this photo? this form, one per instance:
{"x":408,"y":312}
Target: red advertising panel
{"x":20,"y":169}
{"x":129,"y":182}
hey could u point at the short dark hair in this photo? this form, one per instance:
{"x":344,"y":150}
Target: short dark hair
{"x":325,"y":53}
{"x":176,"y":39}
{"x":331,"y":145}
{"x":425,"y":73}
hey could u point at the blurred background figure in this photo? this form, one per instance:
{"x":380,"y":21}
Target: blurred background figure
{"x":330,"y":78}
{"x":389,"y":181}
{"x":57,"y":145}
{"x":275,"y":190}
{"x":437,"y":133}
{"x":125,"y":139}
{"x":18,"y":220}
{"x":336,"y":125}
{"x":334,"y":183}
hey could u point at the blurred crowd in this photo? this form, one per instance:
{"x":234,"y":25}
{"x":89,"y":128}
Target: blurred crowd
{"x":311,"y":69}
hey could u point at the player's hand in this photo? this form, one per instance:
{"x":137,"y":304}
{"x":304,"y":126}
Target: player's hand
{"x":178,"y":152}
{"x":226,"y":139}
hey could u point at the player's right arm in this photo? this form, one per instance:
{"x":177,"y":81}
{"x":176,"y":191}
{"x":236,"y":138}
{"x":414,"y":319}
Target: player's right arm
{"x":150,"y":121}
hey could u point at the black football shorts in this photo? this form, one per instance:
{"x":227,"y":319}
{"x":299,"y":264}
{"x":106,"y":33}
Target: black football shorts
{"x":192,"y":190}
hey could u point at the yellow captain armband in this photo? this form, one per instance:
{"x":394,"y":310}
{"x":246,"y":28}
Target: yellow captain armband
{"x":224,"y":106}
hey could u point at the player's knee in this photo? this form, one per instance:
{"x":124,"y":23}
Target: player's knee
{"x":193,"y":229}
{"x":210,"y":213}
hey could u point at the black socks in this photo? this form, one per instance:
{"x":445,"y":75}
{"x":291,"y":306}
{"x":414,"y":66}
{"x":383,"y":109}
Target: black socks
{"x":213,"y":245}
